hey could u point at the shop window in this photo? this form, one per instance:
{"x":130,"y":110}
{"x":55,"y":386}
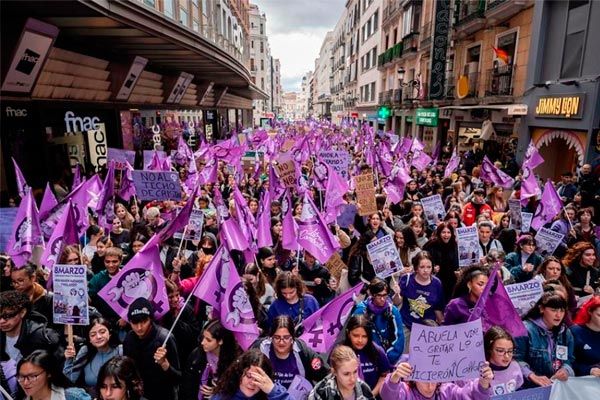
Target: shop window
{"x":575,"y":38}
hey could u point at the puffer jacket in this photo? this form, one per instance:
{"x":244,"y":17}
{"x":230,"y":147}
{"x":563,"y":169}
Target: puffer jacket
{"x":327,"y":390}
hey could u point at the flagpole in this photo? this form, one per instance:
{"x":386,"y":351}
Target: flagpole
{"x":181,"y":242}
{"x":568,"y":219}
{"x":180,"y":312}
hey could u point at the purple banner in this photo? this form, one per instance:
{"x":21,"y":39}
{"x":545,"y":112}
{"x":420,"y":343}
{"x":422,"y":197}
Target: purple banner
{"x":157,"y":185}
{"x":120,"y":157}
{"x":539,"y":393}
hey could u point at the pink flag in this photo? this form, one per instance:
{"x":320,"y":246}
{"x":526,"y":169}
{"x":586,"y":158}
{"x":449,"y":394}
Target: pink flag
{"x":313,"y":234}
{"x":230,"y":231}
{"x":26,"y":232}
{"x":549,"y":207}
{"x":48,"y":201}
{"x":64,"y":234}
{"x":263,"y":226}
{"x":142,"y":276}
{"x":127,"y":188}
{"x":106,"y":203}
{"x":180,"y":221}
{"x":494,"y":307}
{"x":324,"y":326}
{"x":22,"y":186}
{"x":453,"y":163}
{"x":221,"y":287}
{"x":529,"y":185}
{"x":532,"y":157}
{"x":496,"y":176}
{"x":290,"y":227}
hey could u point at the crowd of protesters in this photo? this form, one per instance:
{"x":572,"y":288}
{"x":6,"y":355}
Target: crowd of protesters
{"x":116,"y":358}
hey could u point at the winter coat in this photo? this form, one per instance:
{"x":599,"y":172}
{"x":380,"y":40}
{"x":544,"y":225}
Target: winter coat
{"x":513,"y":263}
{"x":446,"y":391}
{"x":327,"y":389}
{"x":278,"y":393}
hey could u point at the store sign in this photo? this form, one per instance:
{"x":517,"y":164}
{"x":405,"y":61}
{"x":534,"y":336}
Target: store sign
{"x":15,"y":112}
{"x":180,"y":87}
{"x":438,"y":50}
{"x":135,"y":70}
{"x":427,"y":116}
{"x":32,"y":49}
{"x":80,"y":124}
{"x":566,"y":106}
{"x":517,"y":109}
{"x":98,"y":148}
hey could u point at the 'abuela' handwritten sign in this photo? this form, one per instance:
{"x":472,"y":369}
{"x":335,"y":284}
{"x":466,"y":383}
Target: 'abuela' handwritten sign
{"x":446,"y":353}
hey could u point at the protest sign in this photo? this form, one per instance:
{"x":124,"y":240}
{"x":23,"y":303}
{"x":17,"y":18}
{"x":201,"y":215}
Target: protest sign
{"x":286,"y":169}
{"x":70,"y":300}
{"x":338,"y":160}
{"x":347,"y":214}
{"x":503,"y":393}
{"x":335,"y":264}
{"x":287,"y":145}
{"x":384,"y":256}
{"x":365,"y":194}
{"x":514,"y":211}
{"x":148,"y":154}
{"x":122,"y":157}
{"x":526,"y":218}
{"x":194,"y":225}
{"x":249,"y":160}
{"x":547,"y":241}
{"x":524,"y":295}
{"x":446,"y":353}
{"x":156,"y":185}
{"x":468,"y":245}
{"x":433,"y":208}
{"x":299,"y":388}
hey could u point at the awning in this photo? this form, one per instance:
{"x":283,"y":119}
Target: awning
{"x":513,"y":109}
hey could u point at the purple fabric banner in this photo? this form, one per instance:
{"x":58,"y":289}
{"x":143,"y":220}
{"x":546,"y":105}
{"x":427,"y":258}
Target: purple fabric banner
{"x":127,"y":188}
{"x":322,"y":328}
{"x":549,"y":207}
{"x":64,"y":234}
{"x":26,"y":232}
{"x":529,"y":186}
{"x":106,"y":203}
{"x":289,"y":239}
{"x":263,"y":226}
{"x":453,"y":163}
{"x":532,"y":157}
{"x":22,"y":186}
{"x":121,"y":157}
{"x":221,"y":287}
{"x":313,"y":234}
{"x":209,"y":173}
{"x":230,"y":231}
{"x":49,"y":200}
{"x":494,"y":175}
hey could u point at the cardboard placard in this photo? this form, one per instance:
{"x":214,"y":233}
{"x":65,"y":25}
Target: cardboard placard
{"x":365,"y":194}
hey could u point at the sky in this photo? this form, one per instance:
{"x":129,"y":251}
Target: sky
{"x":296,"y":29}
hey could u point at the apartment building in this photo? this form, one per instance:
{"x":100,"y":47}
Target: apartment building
{"x":260,"y":63}
{"x":276,"y":89}
{"x":323,"y":65}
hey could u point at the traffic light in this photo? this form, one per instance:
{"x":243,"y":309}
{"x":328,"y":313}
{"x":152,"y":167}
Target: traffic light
{"x":384,"y":112}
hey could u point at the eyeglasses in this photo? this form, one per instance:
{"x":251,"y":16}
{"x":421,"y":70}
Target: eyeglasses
{"x":29,"y":378}
{"x":381,"y":295}
{"x":504,"y":351}
{"x":19,"y":282}
{"x":10,"y":315}
{"x":286,"y":338}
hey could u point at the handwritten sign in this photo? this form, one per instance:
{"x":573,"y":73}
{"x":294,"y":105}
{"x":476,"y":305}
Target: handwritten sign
{"x":539,"y":393}
{"x":338,"y":160}
{"x":286,"y":169}
{"x":120,"y":156}
{"x":524,"y":295}
{"x":384,"y":256}
{"x":335,"y":264}
{"x":547,"y":241}
{"x":299,"y":388}
{"x":446,"y":353}
{"x":433,"y":208}
{"x":70,"y":300}
{"x":468,"y":245}
{"x":157,"y":185}
{"x":365,"y":193}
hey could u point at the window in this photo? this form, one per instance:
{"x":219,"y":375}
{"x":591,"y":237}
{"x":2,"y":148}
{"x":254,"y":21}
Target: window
{"x":205,"y":7}
{"x":262,"y":46}
{"x":196,"y":25}
{"x":375,"y":20}
{"x":169,"y":8}
{"x":183,"y":16}
{"x":151,"y":3}
{"x":576,"y":29}
{"x":372,"y":91}
{"x":262,"y":83}
{"x":406,"y":21}
{"x":262,"y":29}
{"x":262,"y":65}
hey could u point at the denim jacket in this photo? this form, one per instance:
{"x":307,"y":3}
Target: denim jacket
{"x":536,"y":352}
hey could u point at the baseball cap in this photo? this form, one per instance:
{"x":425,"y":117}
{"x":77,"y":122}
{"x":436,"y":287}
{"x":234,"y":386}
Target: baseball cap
{"x":139,"y":310}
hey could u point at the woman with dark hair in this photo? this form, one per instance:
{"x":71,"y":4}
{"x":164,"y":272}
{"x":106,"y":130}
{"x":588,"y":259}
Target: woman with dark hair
{"x":406,"y":243}
{"x":359,"y":264}
{"x":507,"y":238}
{"x":119,"y":379}
{"x":523,"y":261}
{"x":264,"y":290}
{"x":581,"y":261}
{"x":470,"y":285}
{"x":443,"y":250}
{"x":289,"y":355}
{"x":82,"y":367}
{"x":375,"y":224}
{"x":547,"y":352}
{"x":586,"y":333}
{"x":499,"y":348}
{"x":267,"y":262}
{"x":93,"y":233}
{"x":250,"y":376}
{"x":218,"y":349}
{"x":417,"y":224}
{"x":40,"y":378}
{"x":292,"y":300}
{"x":584,"y":228}
{"x":343,"y":382}
{"x":374,"y":364}
{"x":552,"y":269}
{"x":97,"y":263}
{"x":453,"y":219}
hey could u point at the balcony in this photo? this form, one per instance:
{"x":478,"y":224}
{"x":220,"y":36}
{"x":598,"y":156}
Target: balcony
{"x":385,"y":98}
{"x":410,"y":44}
{"x":397,"y":99}
{"x":499,"y":81}
{"x":397,"y":50}
{"x":469,"y":17}
{"x":501,"y":10}
{"x":473,"y":78}
{"x":391,"y":12}
{"x":426,"y":36}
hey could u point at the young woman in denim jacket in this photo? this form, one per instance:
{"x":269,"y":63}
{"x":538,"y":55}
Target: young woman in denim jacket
{"x":547,"y":352}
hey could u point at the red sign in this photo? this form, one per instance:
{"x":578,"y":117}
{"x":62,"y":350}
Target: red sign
{"x":269,"y":115}
{"x":354,"y":115}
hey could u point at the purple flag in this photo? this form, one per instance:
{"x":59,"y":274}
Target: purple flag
{"x":77,"y":175}
{"x":191,"y":180}
{"x":228,"y":151}
{"x":494,"y":307}
{"x":532,"y":157}
{"x":48,"y":201}
{"x":180,"y":221}
{"x":64,"y":234}
{"x":323,"y":327}
{"x":290,"y":227}
{"x":420,"y":159}
{"x":246,"y":220}
{"x":127,"y":188}
{"x":395,"y":186}
{"x":209,"y":172}
{"x":276,"y":189}
{"x":26,"y":232}
{"x":230,"y":231}
{"x":548,"y":208}
{"x":495,"y":175}
{"x":263,"y":226}
{"x":453,"y":163}
{"x":529,"y":185}
{"x":334,"y":195}
{"x":183,"y":153}
{"x":313,"y":234}
{"x":402,"y":148}
{"x":142,"y":276}
{"x":156,"y":163}
{"x":221,"y":287}
{"x":436,"y":152}
{"x":22,"y":186}
{"x":106,"y":203}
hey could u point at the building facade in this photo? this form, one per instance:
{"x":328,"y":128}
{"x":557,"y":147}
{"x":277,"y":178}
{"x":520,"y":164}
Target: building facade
{"x":260,"y":64}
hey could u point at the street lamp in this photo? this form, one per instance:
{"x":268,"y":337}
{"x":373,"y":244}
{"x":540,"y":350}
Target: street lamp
{"x":413,"y":83}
